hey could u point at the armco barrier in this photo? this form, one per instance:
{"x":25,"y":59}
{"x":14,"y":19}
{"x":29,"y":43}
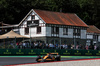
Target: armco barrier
{"x":31,"y":52}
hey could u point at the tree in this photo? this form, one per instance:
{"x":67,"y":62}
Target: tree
{"x":13,"y":11}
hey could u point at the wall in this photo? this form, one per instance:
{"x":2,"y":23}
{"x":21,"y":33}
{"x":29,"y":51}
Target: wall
{"x":83,"y":34}
{"x":32,"y":52}
{"x":99,"y":38}
{"x":48,"y":31}
{"x":70,"y":33}
{"x":89,"y":36}
{"x":32,"y":30}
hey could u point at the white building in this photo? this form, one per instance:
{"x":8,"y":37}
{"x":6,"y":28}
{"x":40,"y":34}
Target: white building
{"x":93,"y":35}
{"x":53,"y":27}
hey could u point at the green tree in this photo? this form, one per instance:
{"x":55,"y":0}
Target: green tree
{"x":13,"y":11}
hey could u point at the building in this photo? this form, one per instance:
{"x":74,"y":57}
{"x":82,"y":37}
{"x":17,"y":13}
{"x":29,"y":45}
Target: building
{"x":53,"y":27}
{"x":93,"y":35}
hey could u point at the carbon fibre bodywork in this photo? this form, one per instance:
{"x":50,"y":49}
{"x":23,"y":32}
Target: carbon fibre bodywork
{"x":49,"y":57}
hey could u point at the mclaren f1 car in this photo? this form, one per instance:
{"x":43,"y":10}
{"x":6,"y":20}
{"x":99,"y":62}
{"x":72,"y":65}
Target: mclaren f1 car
{"x":49,"y":57}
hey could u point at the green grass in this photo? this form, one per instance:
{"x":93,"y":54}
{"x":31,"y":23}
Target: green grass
{"x":61,"y":56}
{"x":80,"y":56}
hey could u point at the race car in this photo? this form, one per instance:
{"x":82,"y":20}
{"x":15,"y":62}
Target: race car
{"x":49,"y":57}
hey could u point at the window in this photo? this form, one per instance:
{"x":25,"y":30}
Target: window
{"x":52,"y":30}
{"x":55,"y":30}
{"x":95,"y":37}
{"x":26,"y":31}
{"x":28,"y":23}
{"x":65,"y":31}
{"x":32,"y":17}
{"x":76,"y":32}
{"x":36,"y":22}
{"x":38,"y":30}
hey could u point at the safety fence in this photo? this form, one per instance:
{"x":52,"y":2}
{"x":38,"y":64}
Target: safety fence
{"x":33,"y":52}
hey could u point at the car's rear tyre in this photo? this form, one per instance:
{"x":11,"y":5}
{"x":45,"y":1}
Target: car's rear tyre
{"x":58,"y":57}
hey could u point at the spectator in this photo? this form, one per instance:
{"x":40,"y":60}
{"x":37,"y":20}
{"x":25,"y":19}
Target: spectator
{"x":12,"y":44}
{"x":90,"y":47}
{"x":63,"y":45}
{"x":51,"y":46}
{"x":17,"y":45}
{"x":72,"y":46}
{"x":66,"y":46}
{"x":56,"y":46}
{"x":87,"y":47}
{"x":35,"y":45}
{"x":47,"y":46}
{"x":80,"y":46}
{"x":32,"y":45}
{"x":77,"y":46}
{"x":20,"y":45}
{"x":69,"y":46}
{"x":95,"y":47}
{"x":24,"y":45}
{"x":40,"y":46}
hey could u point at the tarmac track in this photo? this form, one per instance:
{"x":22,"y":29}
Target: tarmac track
{"x":23,"y":60}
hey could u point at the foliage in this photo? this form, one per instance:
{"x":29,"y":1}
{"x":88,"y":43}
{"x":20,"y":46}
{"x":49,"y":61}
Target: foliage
{"x":13,"y":11}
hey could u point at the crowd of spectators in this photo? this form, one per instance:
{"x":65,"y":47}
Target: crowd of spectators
{"x":37,"y":45}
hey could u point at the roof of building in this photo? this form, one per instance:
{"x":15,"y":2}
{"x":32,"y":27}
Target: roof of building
{"x":93,"y":29}
{"x":11,"y":34}
{"x":60,"y":18}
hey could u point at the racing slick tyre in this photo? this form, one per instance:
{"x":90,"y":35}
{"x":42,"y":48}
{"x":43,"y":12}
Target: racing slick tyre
{"x":43,"y":60}
{"x":39,"y":57}
{"x":58,"y":57}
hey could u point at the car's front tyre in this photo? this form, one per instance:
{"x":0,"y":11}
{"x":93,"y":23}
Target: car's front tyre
{"x":37,"y":59}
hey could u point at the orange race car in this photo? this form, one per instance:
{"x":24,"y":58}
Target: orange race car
{"x":49,"y":57}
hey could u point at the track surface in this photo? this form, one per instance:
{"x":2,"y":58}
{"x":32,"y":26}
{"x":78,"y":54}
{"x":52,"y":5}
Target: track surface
{"x":24,"y":60}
